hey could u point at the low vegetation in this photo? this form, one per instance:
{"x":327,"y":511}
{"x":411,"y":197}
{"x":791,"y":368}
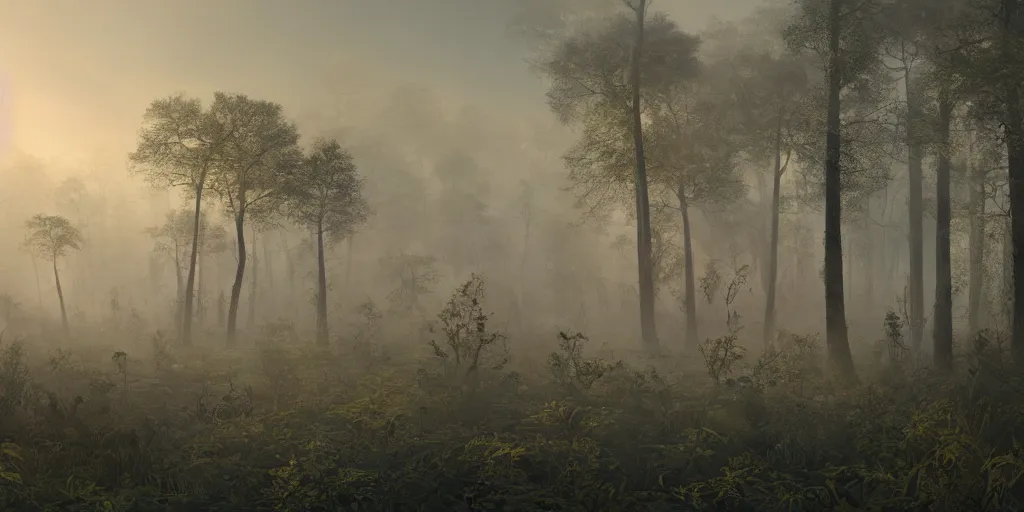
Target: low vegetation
{"x":478,"y":420}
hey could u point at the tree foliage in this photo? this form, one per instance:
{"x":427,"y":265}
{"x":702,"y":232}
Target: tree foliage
{"x":325,"y":191}
{"x":51,"y":236}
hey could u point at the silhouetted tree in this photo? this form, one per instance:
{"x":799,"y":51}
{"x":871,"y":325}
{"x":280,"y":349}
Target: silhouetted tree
{"x":252,"y":167}
{"x":51,"y":237}
{"x":178,"y":146}
{"x":599,"y":84}
{"x":325,"y":194}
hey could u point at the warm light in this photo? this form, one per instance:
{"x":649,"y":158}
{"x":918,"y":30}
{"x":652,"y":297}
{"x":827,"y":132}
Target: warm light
{"x":5,"y":116}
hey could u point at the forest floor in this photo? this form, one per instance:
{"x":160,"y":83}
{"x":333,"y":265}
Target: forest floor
{"x":292,"y":427}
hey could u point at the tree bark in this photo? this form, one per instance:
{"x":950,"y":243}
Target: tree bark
{"x":1014,"y":127}
{"x":915,"y":209}
{"x":322,"y":329}
{"x":942,"y":326}
{"x":837,"y":337}
{"x":60,"y":297}
{"x":648,"y":329}
{"x":190,"y":281}
{"x":773,"y":244}
{"x":236,"y":286}
{"x":688,"y":272}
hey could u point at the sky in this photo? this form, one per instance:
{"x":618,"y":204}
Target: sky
{"x":76,"y":76}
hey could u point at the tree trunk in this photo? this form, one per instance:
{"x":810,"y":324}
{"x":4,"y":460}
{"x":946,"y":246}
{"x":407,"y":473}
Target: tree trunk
{"x":322,"y":333}
{"x":837,"y":337}
{"x":977,"y":251}
{"x":60,"y":297}
{"x":942,"y":326}
{"x":1014,"y":127}
{"x":915,"y":208}
{"x":190,"y":281}
{"x":688,"y":272}
{"x":648,"y":329}
{"x":236,"y":286}
{"x":773,"y":245}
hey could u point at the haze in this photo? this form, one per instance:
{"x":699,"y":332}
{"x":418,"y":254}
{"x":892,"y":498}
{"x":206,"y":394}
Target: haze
{"x":599,"y":255}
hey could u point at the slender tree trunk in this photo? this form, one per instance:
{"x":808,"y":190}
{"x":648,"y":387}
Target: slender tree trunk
{"x":60,"y":297}
{"x":1014,"y":128}
{"x":322,"y":332}
{"x":648,"y":328}
{"x":837,"y":337}
{"x":977,"y":251}
{"x":236,"y":286}
{"x":915,"y":208}
{"x":773,"y":247}
{"x":1016,"y":171}
{"x":942,"y":327}
{"x":190,"y":281}
{"x":688,"y":273}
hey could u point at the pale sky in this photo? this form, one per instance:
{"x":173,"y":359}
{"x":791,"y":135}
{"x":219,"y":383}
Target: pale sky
{"x":77,"y":75}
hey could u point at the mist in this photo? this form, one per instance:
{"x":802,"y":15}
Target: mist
{"x":472,"y":226}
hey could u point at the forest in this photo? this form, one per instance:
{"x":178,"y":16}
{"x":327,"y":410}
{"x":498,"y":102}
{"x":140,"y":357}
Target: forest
{"x":773,"y":264}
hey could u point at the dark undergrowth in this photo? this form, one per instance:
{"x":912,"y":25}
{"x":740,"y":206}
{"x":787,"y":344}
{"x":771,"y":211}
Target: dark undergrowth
{"x":284,"y":426}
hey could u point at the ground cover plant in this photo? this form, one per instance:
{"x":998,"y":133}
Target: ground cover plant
{"x":467,"y":423}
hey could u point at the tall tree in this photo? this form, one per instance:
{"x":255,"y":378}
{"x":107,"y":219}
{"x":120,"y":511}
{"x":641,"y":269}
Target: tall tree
{"x":942,"y":328}
{"x":51,"y":237}
{"x":645,"y":255}
{"x":1010,"y":78}
{"x":843,"y":35}
{"x":904,"y":27}
{"x":773,"y":87}
{"x":694,"y":159}
{"x":599,"y":85}
{"x":325,"y":195}
{"x":940,"y":40}
{"x":252,"y":168}
{"x":983,"y":162}
{"x":178,"y":146}
{"x":984,"y":40}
